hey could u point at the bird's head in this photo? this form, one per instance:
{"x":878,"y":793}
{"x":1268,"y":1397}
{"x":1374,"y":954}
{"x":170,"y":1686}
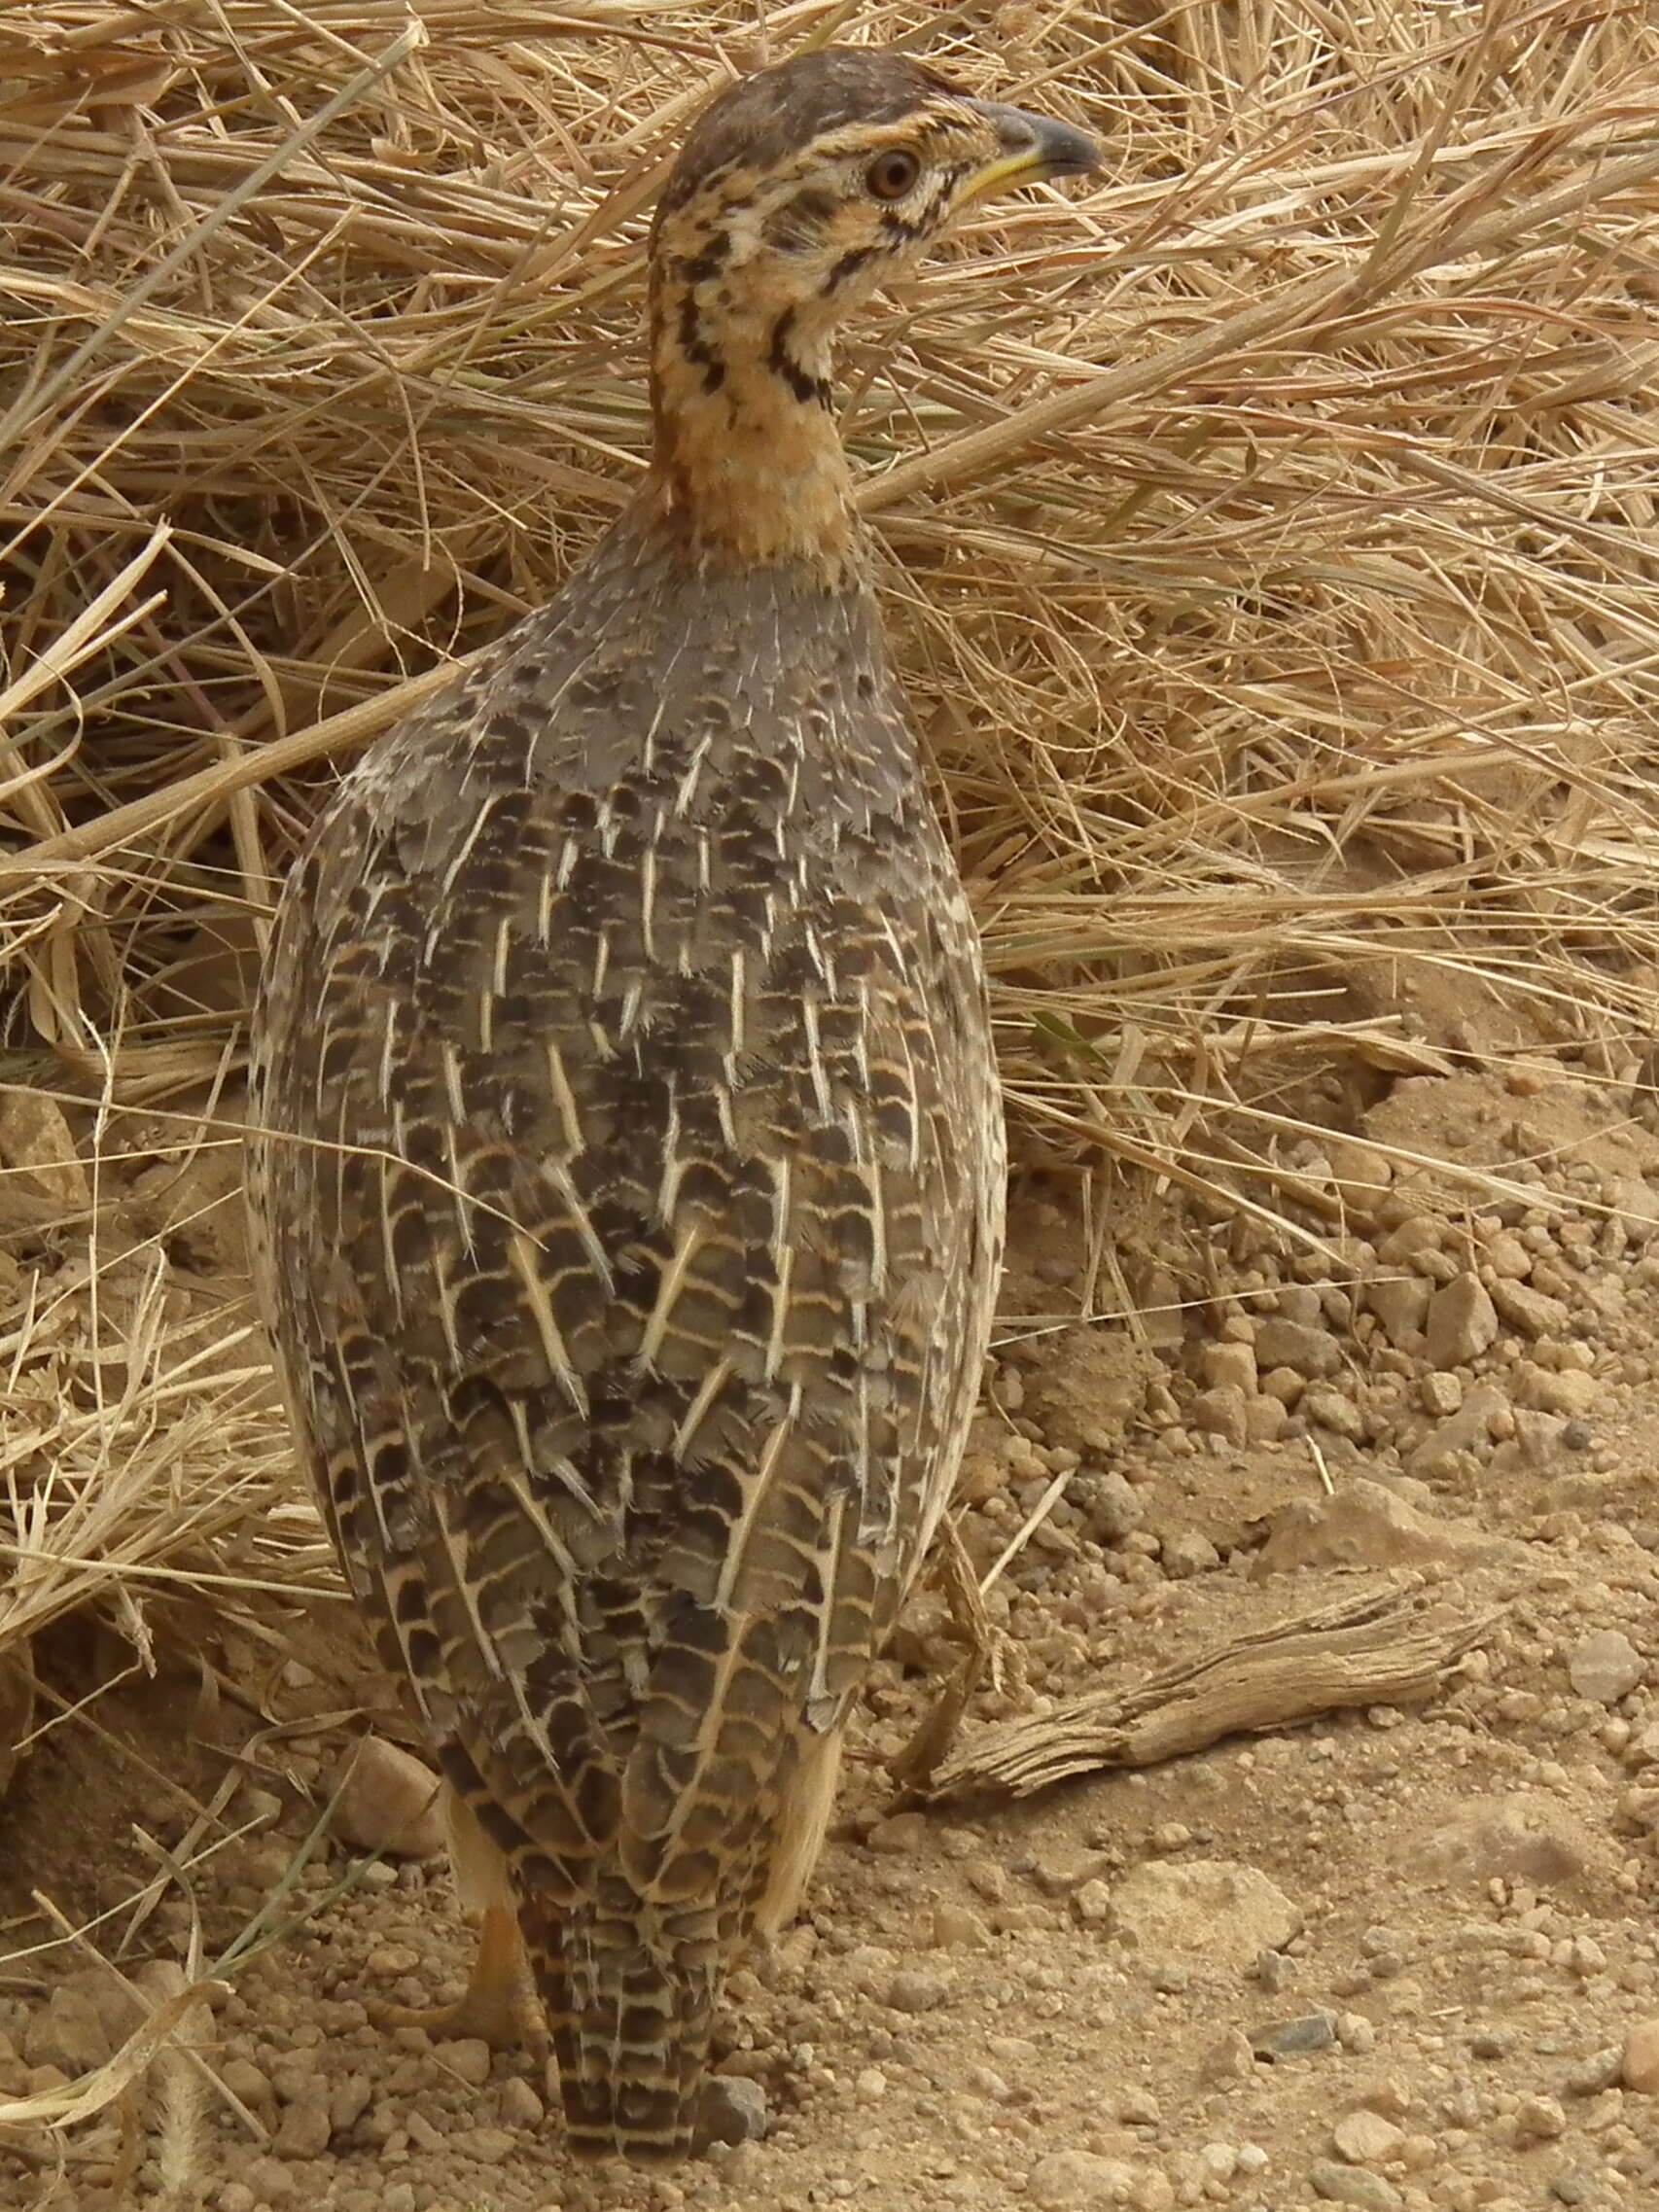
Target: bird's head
{"x":797,"y":192}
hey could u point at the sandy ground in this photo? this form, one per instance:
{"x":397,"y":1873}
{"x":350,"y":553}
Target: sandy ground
{"x":1402,"y":1959}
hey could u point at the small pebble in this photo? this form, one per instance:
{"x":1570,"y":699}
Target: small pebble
{"x":1605,"y":1666}
{"x":520,"y":2107}
{"x":1640,"y":2066}
{"x":1539,"y":2120}
{"x":387,"y":1801}
{"x":1354,"y":2185}
{"x":1590,"y":2076}
{"x":1365,"y":2138}
{"x":468,"y":2057}
{"x":305,"y":2125}
{"x":915,"y":1990}
{"x":1294,"y":2038}
{"x":1461,"y":1324}
{"x":734,"y":2110}
{"x":1079,"y":2180}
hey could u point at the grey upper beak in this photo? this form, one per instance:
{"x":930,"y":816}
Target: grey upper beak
{"x":1036,"y":146}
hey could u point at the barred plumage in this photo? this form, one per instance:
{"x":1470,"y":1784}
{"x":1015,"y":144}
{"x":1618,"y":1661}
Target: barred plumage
{"x":626,"y":1148}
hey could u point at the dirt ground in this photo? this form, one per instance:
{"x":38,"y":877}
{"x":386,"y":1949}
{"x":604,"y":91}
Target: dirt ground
{"x":1403,"y":1958}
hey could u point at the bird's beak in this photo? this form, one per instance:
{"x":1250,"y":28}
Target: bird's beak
{"x":1034,"y":148}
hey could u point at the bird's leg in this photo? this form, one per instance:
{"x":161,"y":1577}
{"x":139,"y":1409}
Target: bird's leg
{"x":499,"y":2004}
{"x":985,"y":1646}
{"x":804,"y":1818}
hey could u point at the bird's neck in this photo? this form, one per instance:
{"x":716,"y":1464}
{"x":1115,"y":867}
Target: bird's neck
{"x":749,"y":466}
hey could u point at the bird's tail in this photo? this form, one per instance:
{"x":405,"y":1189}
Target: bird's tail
{"x":630,"y":1994}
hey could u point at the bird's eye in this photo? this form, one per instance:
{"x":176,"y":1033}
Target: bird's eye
{"x":891,"y":175}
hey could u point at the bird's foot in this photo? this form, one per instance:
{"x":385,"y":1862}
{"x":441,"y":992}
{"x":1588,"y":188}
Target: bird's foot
{"x":499,"y":2005}
{"x":509,"y":2021}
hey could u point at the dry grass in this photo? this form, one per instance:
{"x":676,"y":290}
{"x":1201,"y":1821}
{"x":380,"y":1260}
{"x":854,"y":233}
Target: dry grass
{"x":1273,"y":569}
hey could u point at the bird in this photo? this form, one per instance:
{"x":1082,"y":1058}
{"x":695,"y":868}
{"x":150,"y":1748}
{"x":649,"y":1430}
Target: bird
{"x":625,"y":1146}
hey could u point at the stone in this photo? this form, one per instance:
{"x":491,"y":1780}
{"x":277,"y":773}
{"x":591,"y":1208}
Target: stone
{"x":1228,"y":1366}
{"x":248,"y":2082}
{"x":1222,"y":1412}
{"x":1311,"y":1353}
{"x":488,"y":2146}
{"x":1364,"y":1523}
{"x":1361,"y":1175}
{"x":1230,"y":2058}
{"x":1365,"y":2138}
{"x":35,"y":1138}
{"x":1468,"y":1429}
{"x":1442,"y":1395}
{"x":271,"y":2183}
{"x":349,"y":2098}
{"x":1536,"y":1443}
{"x":899,"y":1835}
{"x":1187,"y":1553}
{"x":915,"y":1990}
{"x":1539,"y":2120}
{"x":956,"y":1928}
{"x":305,"y":2125}
{"x":1079,"y":2180}
{"x":1210,"y":1910}
{"x":520,"y":2107}
{"x":1606,"y":1666}
{"x":734,"y":2110}
{"x":69,"y":2034}
{"x":1336,"y":1411}
{"x":1529,"y":1313}
{"x":389,"y":1801}
{"x":1461,"y":1324}
{"x":1527,"y":1835}
{"x":260,"y":1809}
{"x":468,"y":2057}
{"x":1108,"y":1504}
{"x":1265,"y":1418}
{"x":119,"y":2009}
{"x":1392,"y":2096}
{"x":1400,"y":1303}
{"x":1354,"y":2185}
{"x":1417,"y":1233}
{"x":1640,"y":2066}
{"x":1569,"y":1392}
{"x":1092,"y":1904}
{"x":1297,"y":2038}
{"x":1589,"y":2075}
{"x":1506,"y":1256}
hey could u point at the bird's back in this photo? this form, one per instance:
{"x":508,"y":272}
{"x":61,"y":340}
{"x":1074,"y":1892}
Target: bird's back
{"x":629,"y":1159}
